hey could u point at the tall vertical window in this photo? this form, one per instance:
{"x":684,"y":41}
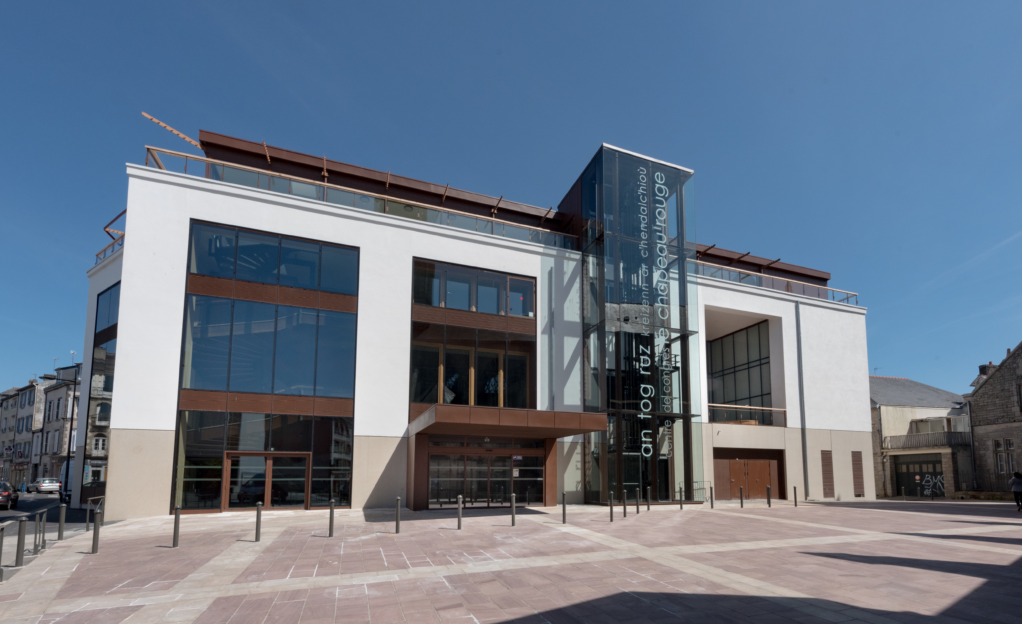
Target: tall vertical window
{"x":104,"y":356}
{"x":294,"y":370}
{"x":252,"y":335}
{"x":474,"y":290}
{"x":206,"y":343}
{"x":739,"y":370}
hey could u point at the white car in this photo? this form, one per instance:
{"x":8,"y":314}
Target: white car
{"x":44,"y":485}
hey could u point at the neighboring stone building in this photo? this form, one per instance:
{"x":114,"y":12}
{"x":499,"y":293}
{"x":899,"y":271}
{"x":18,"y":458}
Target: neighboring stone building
{"x":996,"y":406}
{"x":60,"y":399}
{"x":921,"y":440}
{"x":8,"y":425}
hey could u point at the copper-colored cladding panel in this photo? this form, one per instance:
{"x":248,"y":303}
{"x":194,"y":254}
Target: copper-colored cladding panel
{"x":212,"y":286}
{"x":484,"y":416}
{"x":334,"y":407}
{"x":246,"y":402}
{"x":521,"y":325}
{"x":416,"y":409}
{"x":299,"y":297}
{"x":338,"y":303}
{"x":457,"y":413}
{"x":476,"y":320}
{"x":516,"y":418}
{"x":567,"y":420}
{"x":203,"y":400}
{"x":293,"y":404}
{"x":251,"y":291}
{"x":542,"y":419}
{"x":550,"y":468}
{"x":429,"y":314}
{"x":418,"y":472}
{"x":593,"y":421}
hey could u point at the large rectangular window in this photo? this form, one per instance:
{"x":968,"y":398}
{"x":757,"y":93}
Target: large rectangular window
{"x":230,"y":253}
{"x":252,"y":347}
{"x":200,"y":452}
{"x":465,"y":366}
{"x":739,"y":373}
{"x":474,"y":290}
{"x":206,"y":343}
{"x":335,"y":355}
{"x":294,"y":370}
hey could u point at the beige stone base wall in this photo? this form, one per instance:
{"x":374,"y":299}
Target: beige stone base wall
{"x":379,"y":473}
{"x":139,"y":476}
{"x":789,"y":440}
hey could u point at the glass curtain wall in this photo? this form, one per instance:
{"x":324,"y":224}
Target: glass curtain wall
{"x":639,"y":329}
{"x":739,"y":374}
{"x":101,"y":389}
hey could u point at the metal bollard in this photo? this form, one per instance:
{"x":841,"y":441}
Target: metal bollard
{"x":42,"y":533}
{"x":60,"y":522}
{"x":19,"y":555}
{"x":512,"y":509}
{"x":528,"y":497}
{"x":649,"y":495}
{"x":741,"y":496}
{"x":331,"y":533}
{"x":177,"y":525}
{"x":98,"y":519}
{"x":611,"y":494}
{"x":711,"y":497}
{"x":638,"y":499}
{"x":624,"y":503}
{"x":796,"y":495}
{"x":681,"y":497}
{"x":397,"y":516}
{"x":564,"y":508}
{"x":459,"y":512}
{"x":919,"y":492}
{"x":768,"y":496}
{"x":35,"y":536}
{"x":931,"y":493}
{"x":259,"y":520}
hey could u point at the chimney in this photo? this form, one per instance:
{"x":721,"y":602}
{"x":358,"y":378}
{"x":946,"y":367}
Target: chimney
{"x":1009,"y":352}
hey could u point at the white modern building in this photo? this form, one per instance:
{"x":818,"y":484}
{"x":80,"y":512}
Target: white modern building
{"x":289,"y":330}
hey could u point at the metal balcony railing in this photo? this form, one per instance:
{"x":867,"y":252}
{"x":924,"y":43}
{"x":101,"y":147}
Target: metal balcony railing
{"x":747,"y":415}
{"x":759,"y":280}
{"x":220,"y":171}
{"x":928,"y":440}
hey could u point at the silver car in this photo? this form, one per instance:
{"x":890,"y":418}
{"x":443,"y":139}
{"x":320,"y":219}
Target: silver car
{"x":44,"y":485}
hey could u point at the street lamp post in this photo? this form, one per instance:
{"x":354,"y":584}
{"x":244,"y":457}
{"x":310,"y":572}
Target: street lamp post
{"x":70,"y":430}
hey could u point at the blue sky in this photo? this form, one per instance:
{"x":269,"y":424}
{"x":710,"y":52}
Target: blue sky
{"x":878,"y":141}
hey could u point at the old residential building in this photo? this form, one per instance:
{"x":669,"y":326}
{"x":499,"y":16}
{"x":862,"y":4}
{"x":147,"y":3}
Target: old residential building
{"x":60,"y":399}
{"x":996,"y":405}
{"x":8,"y":426}
{"x":921,"y":440}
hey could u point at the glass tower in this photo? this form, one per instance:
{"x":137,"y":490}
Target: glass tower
{"x":640,"y":321}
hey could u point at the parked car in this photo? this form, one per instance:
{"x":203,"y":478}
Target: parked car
{"x":44,"y":485}
{"x":8,"y":495}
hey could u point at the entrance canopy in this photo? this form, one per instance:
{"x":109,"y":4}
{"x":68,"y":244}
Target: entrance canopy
{"x":493,"y":421}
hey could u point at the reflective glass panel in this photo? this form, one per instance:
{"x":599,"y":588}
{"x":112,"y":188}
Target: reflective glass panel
{"x":335,"y":355}
{"x":490,"y":293}
{"x":340,"y":270}
{"x":331,"y":461}
{"x":488,"y":370}
{"x":212,"y":251}
{"x":252,"y":347}
{"x":520,"y":297}
{"x":447,"y":480}
{"x":425,"y":374}
{"x":519,"y":371}
{"x":459,"y":289}
{"x":459,"y":348}
{"x":200,"y":452}
{"x":248,"y":481}
{"x":426,"y":284}
{"x":291,"y":433}
{"x":247,"y":431}
{"x":206,"y":343}
{"x":294,"y":362}
{"x":299,"y":264}
{"x":287,"y":482}
{"x":258,"y":257}
{"x":107,"y":307}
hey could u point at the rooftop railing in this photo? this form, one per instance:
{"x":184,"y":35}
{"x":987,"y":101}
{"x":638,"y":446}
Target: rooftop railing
{"x":220,"y":171}
{"x":747,"y":415}
{"x":109,"y":250}
{"x":932,"y":439}
{"x":805,"y":289}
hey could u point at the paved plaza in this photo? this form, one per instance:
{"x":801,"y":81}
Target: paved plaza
{"x":871,"y":562}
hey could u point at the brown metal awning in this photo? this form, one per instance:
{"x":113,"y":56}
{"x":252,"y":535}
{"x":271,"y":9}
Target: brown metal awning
{"x":494,"y":421}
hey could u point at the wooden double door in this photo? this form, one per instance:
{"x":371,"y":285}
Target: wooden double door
{"x":747,"y":474}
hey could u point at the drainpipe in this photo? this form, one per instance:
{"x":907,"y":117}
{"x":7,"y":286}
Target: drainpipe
{"x":802,"y":398}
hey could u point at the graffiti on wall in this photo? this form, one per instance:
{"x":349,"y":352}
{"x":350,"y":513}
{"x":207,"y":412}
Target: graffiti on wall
{"x":933,"y":484}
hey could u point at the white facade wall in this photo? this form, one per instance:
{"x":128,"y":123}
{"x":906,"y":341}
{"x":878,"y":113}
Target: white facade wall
{"x":152,"y":269}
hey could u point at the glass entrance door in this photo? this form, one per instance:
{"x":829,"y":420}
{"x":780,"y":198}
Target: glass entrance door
{"x":485,"y":481}
{"x":275,"y":480}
